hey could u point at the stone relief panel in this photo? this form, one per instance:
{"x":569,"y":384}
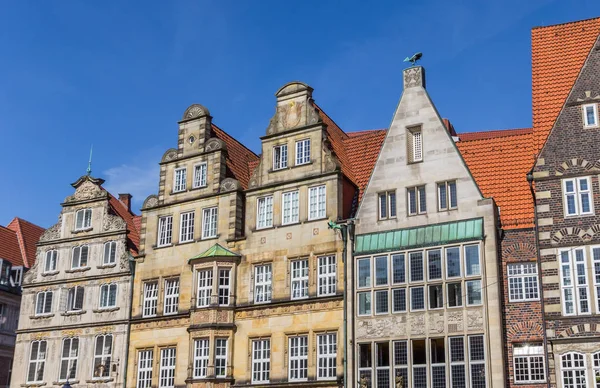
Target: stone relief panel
{"x":53,"y":232}
{"x":87,"y":191}
{"x":417,"y":324}
{"x":455,"y":321}
{"x":436,"y":322}
{"x":229,"y":184}
{"x":475,"y":319}
{"x":373,"y":328}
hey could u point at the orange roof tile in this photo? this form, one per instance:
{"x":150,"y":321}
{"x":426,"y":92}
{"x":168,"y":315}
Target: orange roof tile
{"x":130,"y":219}
{"x":239,"y":157}
{"x":558,"y":53}
{"x":9,"y":246}
{"x":28,"y":235}
{"x":499,"y":162}
{"x":362,"y":148}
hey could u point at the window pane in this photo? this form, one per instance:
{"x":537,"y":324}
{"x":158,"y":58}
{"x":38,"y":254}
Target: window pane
{"x":472,"y":266}
{"x":412,"y":201}
{"x":453,"y":262}
{"x":442,"y":196}
{"x":417,"y":298}
{"x":416,"y":266}
{"x":453,"y":195}
{"x":422,"y":200}
{"x":383,"y":205}
{"x":364,"y":272}
{"x":399,"y":300}
{"x":435,"y":264}
{"x":436,"y":296}
{"x":454,"y":294}
{"x":399,"y":269}
{"x":381,"y":271}
{"x":364,"y":303}
{"x":392,"y":201}
{"x":381,"y":302}
{"x":474,"y":292}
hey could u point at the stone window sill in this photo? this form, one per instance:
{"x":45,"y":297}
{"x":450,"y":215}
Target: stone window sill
{"x":50,"y":273}
{"x":106,"y":310}
{"x":62,"y":382}
{"x":81,"y":230}
{"x":75,"y":270}
{"x":185,"y":242}
{"x":41,"y":316}
{"x":208,"y":238}
{"x":155,"y":247}
{"x":100,"y":380}
{"x":71,"y":313}
{"x":104,"y":266}
{"x":40,"y":384}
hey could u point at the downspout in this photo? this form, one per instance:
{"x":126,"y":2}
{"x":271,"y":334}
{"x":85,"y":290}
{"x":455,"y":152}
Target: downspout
{"x":539,"y":265}
{"x":132,"y":269}
{"x":352,"y":294}
{"x":344,"y":232}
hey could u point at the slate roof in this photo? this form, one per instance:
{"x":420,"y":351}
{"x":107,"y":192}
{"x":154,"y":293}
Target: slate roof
{"x":18,"y":242}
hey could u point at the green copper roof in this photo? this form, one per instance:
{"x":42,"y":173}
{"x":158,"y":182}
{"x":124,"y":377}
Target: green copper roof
{"x":215,"y":251}
{"x":438,"y":234}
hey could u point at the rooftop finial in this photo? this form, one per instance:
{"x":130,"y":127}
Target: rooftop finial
{"x":413,"y":60}
{"x":89,"y":169}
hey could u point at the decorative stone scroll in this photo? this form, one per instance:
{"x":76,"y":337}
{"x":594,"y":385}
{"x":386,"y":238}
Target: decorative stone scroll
{"x":85,"y":191}
{"x":229,"y":184}
{"x":170,"y":154}
{"x":214,"y":143}
{"x":194,"y":111}
{"x":150,"y":201}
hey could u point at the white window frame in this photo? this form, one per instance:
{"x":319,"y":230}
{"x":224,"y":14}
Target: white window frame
{"x":368,"y":278}
{"x":317,"y":202}
{"x":586,"y":123}
{"x":302,"y":152}
{"x":445,"y":188}
{"x":528,"y":355}
{"x":38,"y":363}
{"x":105,"y":292}
{"x":171,"y":298}
{"x":168,"y":361}
{"x":186,"y":226}
{"x":299,"y":271}
{"x":84,"y":221}
{"x":150,"y":301}
{"x":264,"y":212}
{"x":280,"y":157}
{"x":326,"y":360}
{"x":290,"y":205}
{"x":401,"y":290}
{"x":145,"y":364}
{"x":51,"y":258}
{"x":571,"y":370}
{"x":420,"y":200}
{"x":179,"y":181}
{"x":377,"y":260}
{"x":415,"y":144}
{"x":578,"y":194}
{"x":71,"y":360}
{"x":468,"y":292}
{"x":75,"y":299}
{"x":479,"y":267}
{"x":104,"y":357}
{"x":261,"y":365}
{"x":424,"y":298}
{"x":165,"y":231}
{"x":45,"y":296}
{"x":210,"y":222}
{"x":200,"y":175}
{"x":76,"y":256}
{"x":327,"y":275}
{"x":263,"y":278}
{"x":205,"y":286}
{"x":201,"y":356}
{"x":110,"y":253}
{"x":384,"y":201}
{"x":377,"y":304}
{"x":595,"y":251}
{"x":224,"y":286}
{"x":523,"y":276}
{"x":221,"y":357}
{"x":298,"y":358}
{"x":570,"y":281}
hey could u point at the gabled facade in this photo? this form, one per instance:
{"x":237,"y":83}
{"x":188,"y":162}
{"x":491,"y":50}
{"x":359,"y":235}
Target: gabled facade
{"x":74,"y":319}
{"x":426,"y":298}
{"x":567,"y":189}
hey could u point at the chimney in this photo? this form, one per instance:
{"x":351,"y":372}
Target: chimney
{"x":126,"y":200}
{"x":414,"y":76}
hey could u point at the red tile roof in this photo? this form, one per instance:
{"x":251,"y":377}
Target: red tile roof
{"x":499,"y":162}
{"x":558,"y":53}
{"x":239,"y":157}
{"x":9,"y":246}
{"x":132,"y":221}
{"x":363,"y":148}
{"x":18,"y":242}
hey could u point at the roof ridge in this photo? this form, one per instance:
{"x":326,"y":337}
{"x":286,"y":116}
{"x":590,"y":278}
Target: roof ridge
{"x":21,"y":242}
{"x":566,"y":23}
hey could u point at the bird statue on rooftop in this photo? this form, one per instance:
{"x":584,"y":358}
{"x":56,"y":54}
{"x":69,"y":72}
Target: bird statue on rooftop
{"x":413,"y":60}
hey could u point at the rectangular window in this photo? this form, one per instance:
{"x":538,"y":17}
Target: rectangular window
{"x":434,"y":264}
{"x":224,"y":286}
{"x":364,"y":273}
{"x":381,"y":271}
{"x":477,"y":361}
{"x":398,"y":269}
{"x":180,"y":180}
{"x":596,"y":257}
{"x":473,"y":292}
{"x":316,"y":202}
{"x":577,"y":196}
{"x":68,"y":359}
{"x":75,"y":299}
{"x":453,"y":262}
{"x":261,"y":361}
{"x":262,"y":283}
{"x":414,"y":144}
{"x":417,"y":298}
{"x":365,"y":364}
{"x":326,"y":356}
{"x":419,"y":361}
{"x":387,"y":205}
{"x":280,"y":157}
{"x":382,"y":366}
{"x":145,"y":363}
{"x":83,"y":219}
{"x":472,"y":260}
{"x":574,"y":285}
{"x":167,"y":368}
{"x":302,"y":152}
{"x":291,"y":208}
{"x":150,"y":299}
{"x":437,"y":350}
{"x":298,"y":358}
{"x":364,"y":303}
{"x":265,"y":212}
{"x":417,"y":200}
{"x":590,"y":115}
{"x":186,"y":227}
{"x":381,"y":302}
{"x":574,"y":370}
{"x":327,"y":275}
{"x":110,"y":253}
{"x":436,"y":296}
{"x":458,"y":376}
{"x":165,"y":230}
{"x":401,"y":361}
{"x":50,"y":265}
{"x":529,"y":363}
{"x":103,"y":356}
{"x":171,"y":296}
{"x":205,"y":283}
{"x":522,"y":282}
{"x":37,"y":362}
{"x":299,"y":279}
{"x":44,"y":303}
{"x":416,"y":266}
{"x":399,"y":300}
{"x":221,"y":357}
{"x":200,"y":358}
{"x":108,"y":296}
{"x":447,"y":197}
{"x":209,"y":222}
{"x":454,"y":294}
{"x":199,"y":175}
{"x":80,"y":257}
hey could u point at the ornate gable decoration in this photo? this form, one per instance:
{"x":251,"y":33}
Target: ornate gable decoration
{"x":194,"y":111}
{"x":294,"y":108}
{"x":87,"y":188}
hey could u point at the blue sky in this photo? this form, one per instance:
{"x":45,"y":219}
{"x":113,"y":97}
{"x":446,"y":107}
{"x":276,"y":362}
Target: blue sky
{"x":120,"y":74}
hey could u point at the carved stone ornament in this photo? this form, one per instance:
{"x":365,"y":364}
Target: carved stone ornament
{"x":413,"y":77}
{"x":417,"y":324}
{"x":588,"y":97}
{"x":214,"y":143}
{"x":53,"y":232}
{"x":254,"y":178}
{"x":87,"y":190}
{"x":151,"y":201}
{"x":373,"y":328}
{"x":436,"y":323}
{"x":194,"y":111}
{"x":474,"y":319}
{"x":171,"y":154}
{"x":112,"y":222}
{"x":331,"y":161}
{"x":229,"y":184}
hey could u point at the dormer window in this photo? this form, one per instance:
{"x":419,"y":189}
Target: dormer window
{"x":199,"y":175}
{"x":302,"y":152}
{"x":180,"y":181}
{"x":590,"y":115}
{"x":83,"y":219}
{"x":280,"y":155}
{"x":414,"y":143}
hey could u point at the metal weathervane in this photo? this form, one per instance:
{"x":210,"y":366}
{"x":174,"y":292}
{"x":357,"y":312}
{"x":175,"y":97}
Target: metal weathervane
{"x":413,"y":60}
{"x":89,"y":168}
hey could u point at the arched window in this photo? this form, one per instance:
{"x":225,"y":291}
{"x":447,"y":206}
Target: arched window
{"x":573,"y":370}
{"x":37,"y":362}
{"x":102,"y":356}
